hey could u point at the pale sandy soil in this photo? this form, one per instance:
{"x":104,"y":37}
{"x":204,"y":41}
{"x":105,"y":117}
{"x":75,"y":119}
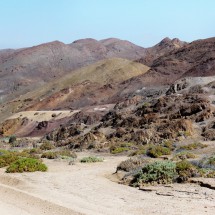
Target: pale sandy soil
{"x":89,"y":189}
{"x":43,"y":115}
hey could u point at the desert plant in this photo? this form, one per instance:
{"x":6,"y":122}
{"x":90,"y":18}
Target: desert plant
{"x":140,"y":151}
{"x":157,"y":151}
{"x":185,"y":170}
{"x":26,"y":165}
{"x":50,"y":155}
{"x":184,"y":155}
{"x":67,"y":153}
{"x":117,"y":150}
{"x":7,"y":158}
{"x":132,"y":164}
{"x":91,"y":159}
{"x":35,"y":151}
{"x":168,"y":144}
{"x":206,"y":172}
{"x":47,"y":146}
{"x":192,"y":146}
{"x":207,"y":162}
{"x":27,"y":154}
{"x":59,"y":154}
{"x":159,"y":172}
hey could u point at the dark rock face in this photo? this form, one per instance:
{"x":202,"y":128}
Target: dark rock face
{"x":42,"y":125}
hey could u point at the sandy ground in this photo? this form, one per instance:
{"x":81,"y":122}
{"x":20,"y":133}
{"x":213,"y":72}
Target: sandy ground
{"x":89,"y":189}
{"x":44,"y":115}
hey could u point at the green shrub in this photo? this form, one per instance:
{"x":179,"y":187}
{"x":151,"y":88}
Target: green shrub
{"x":157,"y":151}
{"x":36,"y":151}
{"x":7,"y":159}
{"x":117,"y":150}
{"x":140,"y":151}
{"x":184,"y":156}
{"x":193,"y":146}
{"x":168,"y":144}
{"x":159,"y":172}
{"x":120,"y":147}
{"x":185,"y":170}
{"x":126,"y":144}
{"x":206,"y":172}
{"x":26,"y":165}
{"x":50,"y":155}
{"x":47,"y":146}
{"x":91,"y":159}
{"x":3,"y":152}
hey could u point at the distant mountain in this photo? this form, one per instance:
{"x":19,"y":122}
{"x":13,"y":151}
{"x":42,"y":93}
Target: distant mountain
{"x":26,"y":69}
{"x":191,"y":60}
{"x":162,"y":48}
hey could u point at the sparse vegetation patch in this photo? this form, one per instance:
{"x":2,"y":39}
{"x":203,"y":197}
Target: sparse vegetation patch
{"x":91,"y":159}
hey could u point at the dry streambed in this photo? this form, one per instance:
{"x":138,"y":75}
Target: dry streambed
{"x":87,"y":189}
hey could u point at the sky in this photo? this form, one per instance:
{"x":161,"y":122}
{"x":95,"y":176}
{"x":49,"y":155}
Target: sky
{"x":25,"y":23}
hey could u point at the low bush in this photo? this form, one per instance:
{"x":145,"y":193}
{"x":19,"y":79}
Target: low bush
{"x":35,"y":151}
{"x":50,"y":155}
{"x":206,"y":172}
{"x":132,"y":163}
{"x":157,"y":151}
{"x":120,"y":147}
{"x":91,"y":159}
{"x":184,"y":156}
{"x":140,"y":151}
{"x":67,"y":153}
{"x":159,"y":172}
{"x":26,"y":165}
{"x":59,"y":154}
{"x":4,"y":152}
{"x":7,"y":158}
{"x":207,"y":162}
{"x":117,"y":150}
{"x":193,"y":146}
{"x":47,"y":146}
{"x":168,"y":144}
{"x":185,"y":170}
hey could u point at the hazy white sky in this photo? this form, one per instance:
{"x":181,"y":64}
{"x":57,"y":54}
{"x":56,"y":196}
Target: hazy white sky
{"x":143,"y":22}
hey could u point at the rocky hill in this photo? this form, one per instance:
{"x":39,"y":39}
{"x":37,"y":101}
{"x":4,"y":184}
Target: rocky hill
{"x":26,"y":69}
{"x":86,"y":75}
